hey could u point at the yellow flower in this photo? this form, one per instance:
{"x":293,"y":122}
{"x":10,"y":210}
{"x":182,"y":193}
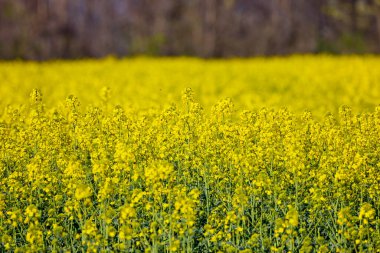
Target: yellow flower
{"x":83,"y":191}
{"x":292,"y":216}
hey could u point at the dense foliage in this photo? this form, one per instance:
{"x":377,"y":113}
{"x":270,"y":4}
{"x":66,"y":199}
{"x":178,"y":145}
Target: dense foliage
{"x":46,"y":29}
{"x":150,"y":176}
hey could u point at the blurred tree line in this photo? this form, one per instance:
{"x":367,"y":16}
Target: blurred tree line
{"x":42,"y":29}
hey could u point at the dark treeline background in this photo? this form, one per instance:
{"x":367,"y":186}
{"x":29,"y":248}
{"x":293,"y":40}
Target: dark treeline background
{"x":43,"y":29}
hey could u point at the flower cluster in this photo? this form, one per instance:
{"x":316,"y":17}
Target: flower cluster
{"x":183,"y":178}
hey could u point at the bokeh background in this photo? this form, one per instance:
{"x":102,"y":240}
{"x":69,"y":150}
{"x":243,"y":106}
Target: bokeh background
{"x":49,"y":29}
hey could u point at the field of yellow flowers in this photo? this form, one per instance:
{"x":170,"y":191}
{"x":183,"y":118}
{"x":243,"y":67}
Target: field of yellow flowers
{"x":190,"y":155}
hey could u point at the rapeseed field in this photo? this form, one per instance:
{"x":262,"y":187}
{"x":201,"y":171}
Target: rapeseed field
{"x":190,"y":155}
